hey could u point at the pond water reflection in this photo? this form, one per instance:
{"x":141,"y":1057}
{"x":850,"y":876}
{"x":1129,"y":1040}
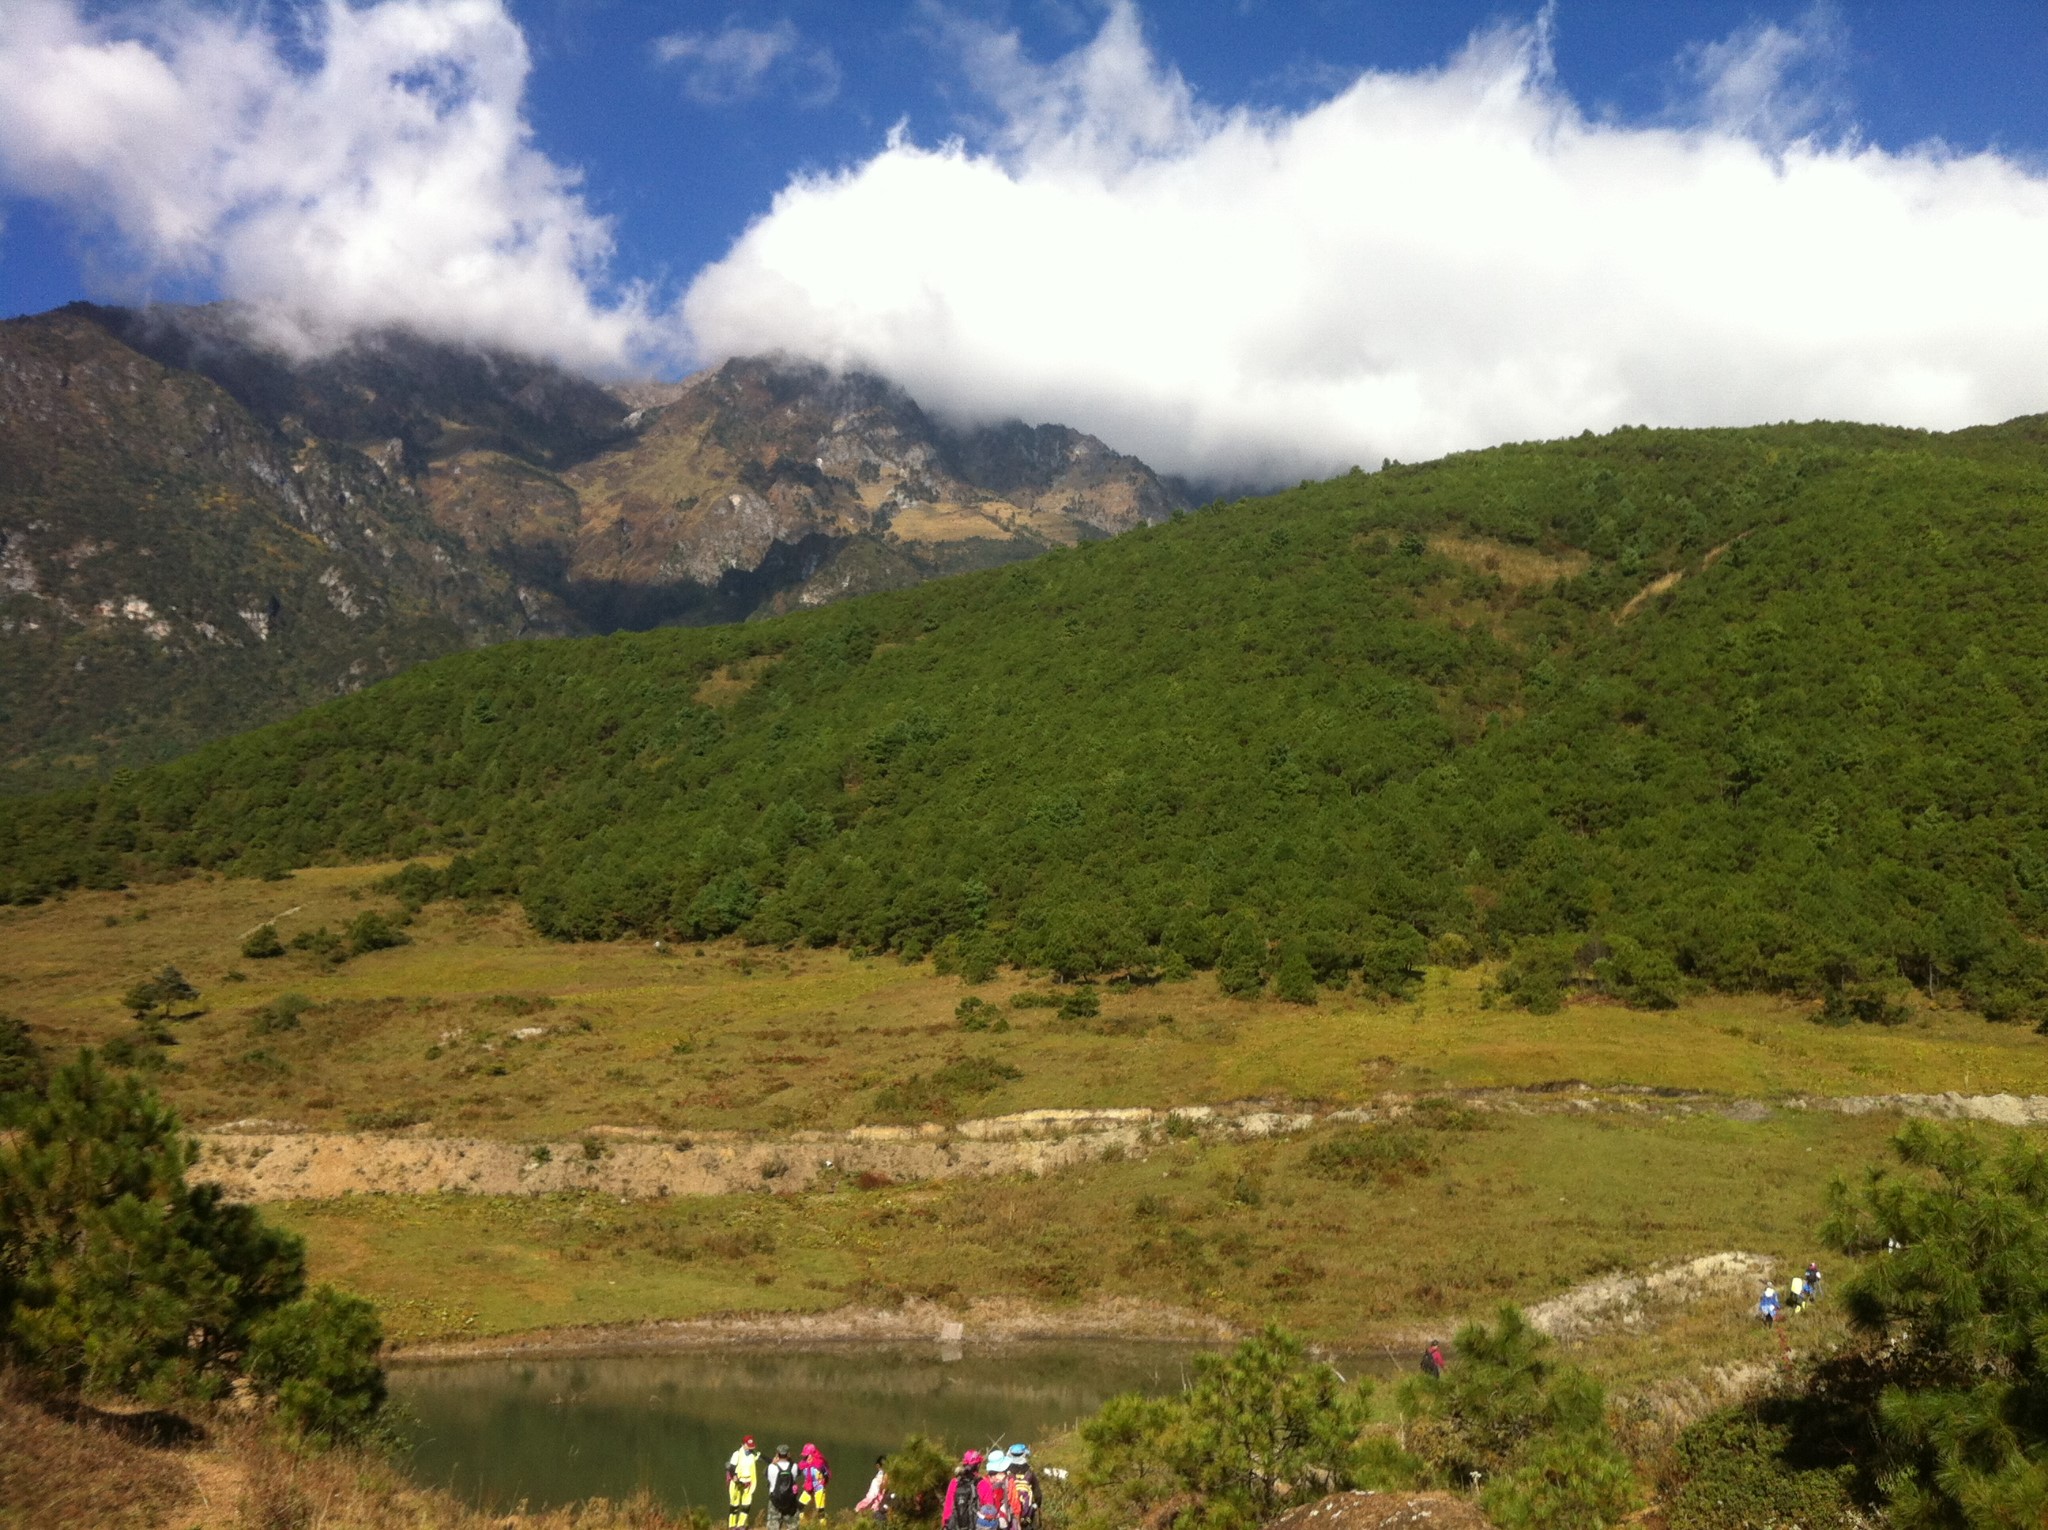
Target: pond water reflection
{"x":553,"y":1431}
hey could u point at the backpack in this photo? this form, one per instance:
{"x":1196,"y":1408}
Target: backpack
{"x":782,"y":1487}
{"x":964,"y":1499}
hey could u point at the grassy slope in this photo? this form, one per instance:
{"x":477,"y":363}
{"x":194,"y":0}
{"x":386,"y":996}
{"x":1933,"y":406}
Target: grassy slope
{"x":1517,"y":1212}
{"x":813,"y":1038}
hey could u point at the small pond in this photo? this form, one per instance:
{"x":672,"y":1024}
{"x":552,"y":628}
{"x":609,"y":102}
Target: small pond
{"x":552,"y":1431}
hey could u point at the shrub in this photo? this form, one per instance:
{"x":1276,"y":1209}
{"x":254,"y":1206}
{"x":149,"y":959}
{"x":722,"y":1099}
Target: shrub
{"x":1365,"y":1154}
{"x":321,"y":942}
{"x":318,"y":1358}
{"x":280,"y":1014}
{"x":1255,"y":1431}
{"x":1534,"y":1429}
{"x":1538,"y":974}
{"x":1031,"y":998}
{"x":1851,"y":1002}
{"x":1452,"y":949}
{"x":1295,"y":982}
{"x":262,"y":943}
{"x":1732,"y":1471}
{"x":917,"y":1478}
{"x":979,"y":1015}
{"x":1084,"y":1003}
{"x":371,"y":931}
{"x":1444,"y":1115}
{"x":1241,"y":961}
{"x":1640,"y":978}
{"x":1390,"y":964}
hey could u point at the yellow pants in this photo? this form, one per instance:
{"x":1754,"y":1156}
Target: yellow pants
{"x":740,"y":1495}
{"x":813,"y":1501}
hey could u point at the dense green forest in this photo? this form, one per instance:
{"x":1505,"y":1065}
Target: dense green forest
{"x":1461,"y":707}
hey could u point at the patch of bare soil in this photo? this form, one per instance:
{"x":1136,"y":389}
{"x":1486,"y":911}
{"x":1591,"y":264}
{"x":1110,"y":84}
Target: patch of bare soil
{"x":1628,"y":1301}
{"x":990,"y":1320}
{"x":1385,"y":1511}
{"x":1648,"y":593}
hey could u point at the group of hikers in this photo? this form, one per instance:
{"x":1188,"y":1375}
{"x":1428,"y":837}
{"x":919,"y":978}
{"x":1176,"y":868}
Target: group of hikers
{"x":795,"y":1488}
{"x":1804,"y":1289}
{"x":997,"y":1490}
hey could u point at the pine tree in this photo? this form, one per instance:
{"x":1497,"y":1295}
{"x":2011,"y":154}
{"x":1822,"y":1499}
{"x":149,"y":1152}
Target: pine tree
{"x":1957,"y":1287}
{"x":115,"y":1274}
{"x":118,"y":1276}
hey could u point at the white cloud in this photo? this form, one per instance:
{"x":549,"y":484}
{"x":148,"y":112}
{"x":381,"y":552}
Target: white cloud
{"x":1773,"y":83}
{"x":739,"y":63}
{"x":382,"y":174}
{"x":1424,"y":262}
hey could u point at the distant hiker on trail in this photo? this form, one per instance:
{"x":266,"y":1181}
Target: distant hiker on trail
{"x":1812,"y":1281}
{"x":1796,"y":1295}
{"x":1433,"y":1361}
{"x":877,"y":1500}
{"x":785,"y":1497}
{"x":958,"y":1510}
{"x":812,"y":1475}
{"x":1767,"y":1308}
{"x":742,"y":1470}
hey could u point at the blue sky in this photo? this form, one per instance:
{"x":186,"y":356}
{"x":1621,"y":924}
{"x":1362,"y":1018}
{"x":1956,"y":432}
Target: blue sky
{"x":615,"y":153}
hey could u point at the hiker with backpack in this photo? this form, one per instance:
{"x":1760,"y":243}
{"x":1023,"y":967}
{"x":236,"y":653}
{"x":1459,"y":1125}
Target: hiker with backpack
{"x":785,"y":1494}
{"x":991,"y":1494}
{"x":1021,"y":1491}
{"x":813,"y":1473}
{"x":962,"y":1493}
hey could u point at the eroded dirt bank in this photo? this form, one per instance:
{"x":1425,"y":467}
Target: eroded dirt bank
{"x":257,"y":1162}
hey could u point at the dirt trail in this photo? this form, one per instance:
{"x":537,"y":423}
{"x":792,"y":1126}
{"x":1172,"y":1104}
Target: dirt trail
{"x":1366,"y":1510}
{"x":1635,"y":1301}
{"x":264,"y":1161}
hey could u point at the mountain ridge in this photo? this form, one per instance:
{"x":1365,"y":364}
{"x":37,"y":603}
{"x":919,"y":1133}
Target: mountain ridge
{"x":457,"y":497}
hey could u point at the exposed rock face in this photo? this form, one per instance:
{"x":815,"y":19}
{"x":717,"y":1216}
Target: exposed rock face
{"x":171,"y":569}
{"x":199,"y":534}
{"x":834,"y":485}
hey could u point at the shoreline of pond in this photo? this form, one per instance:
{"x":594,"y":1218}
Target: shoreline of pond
{"x":980,"y":1324}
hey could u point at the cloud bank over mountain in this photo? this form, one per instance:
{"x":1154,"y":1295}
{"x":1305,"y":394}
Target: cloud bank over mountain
{"x":1423,"y":262}
{"x":370,"y":168}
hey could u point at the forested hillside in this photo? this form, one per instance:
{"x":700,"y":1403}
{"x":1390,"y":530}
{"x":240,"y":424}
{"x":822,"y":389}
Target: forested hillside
{"x":1740,"y":709}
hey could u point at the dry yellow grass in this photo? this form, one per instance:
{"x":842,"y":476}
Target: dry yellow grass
{"x":1511,"y":563}
{"x":721,"y":1036}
